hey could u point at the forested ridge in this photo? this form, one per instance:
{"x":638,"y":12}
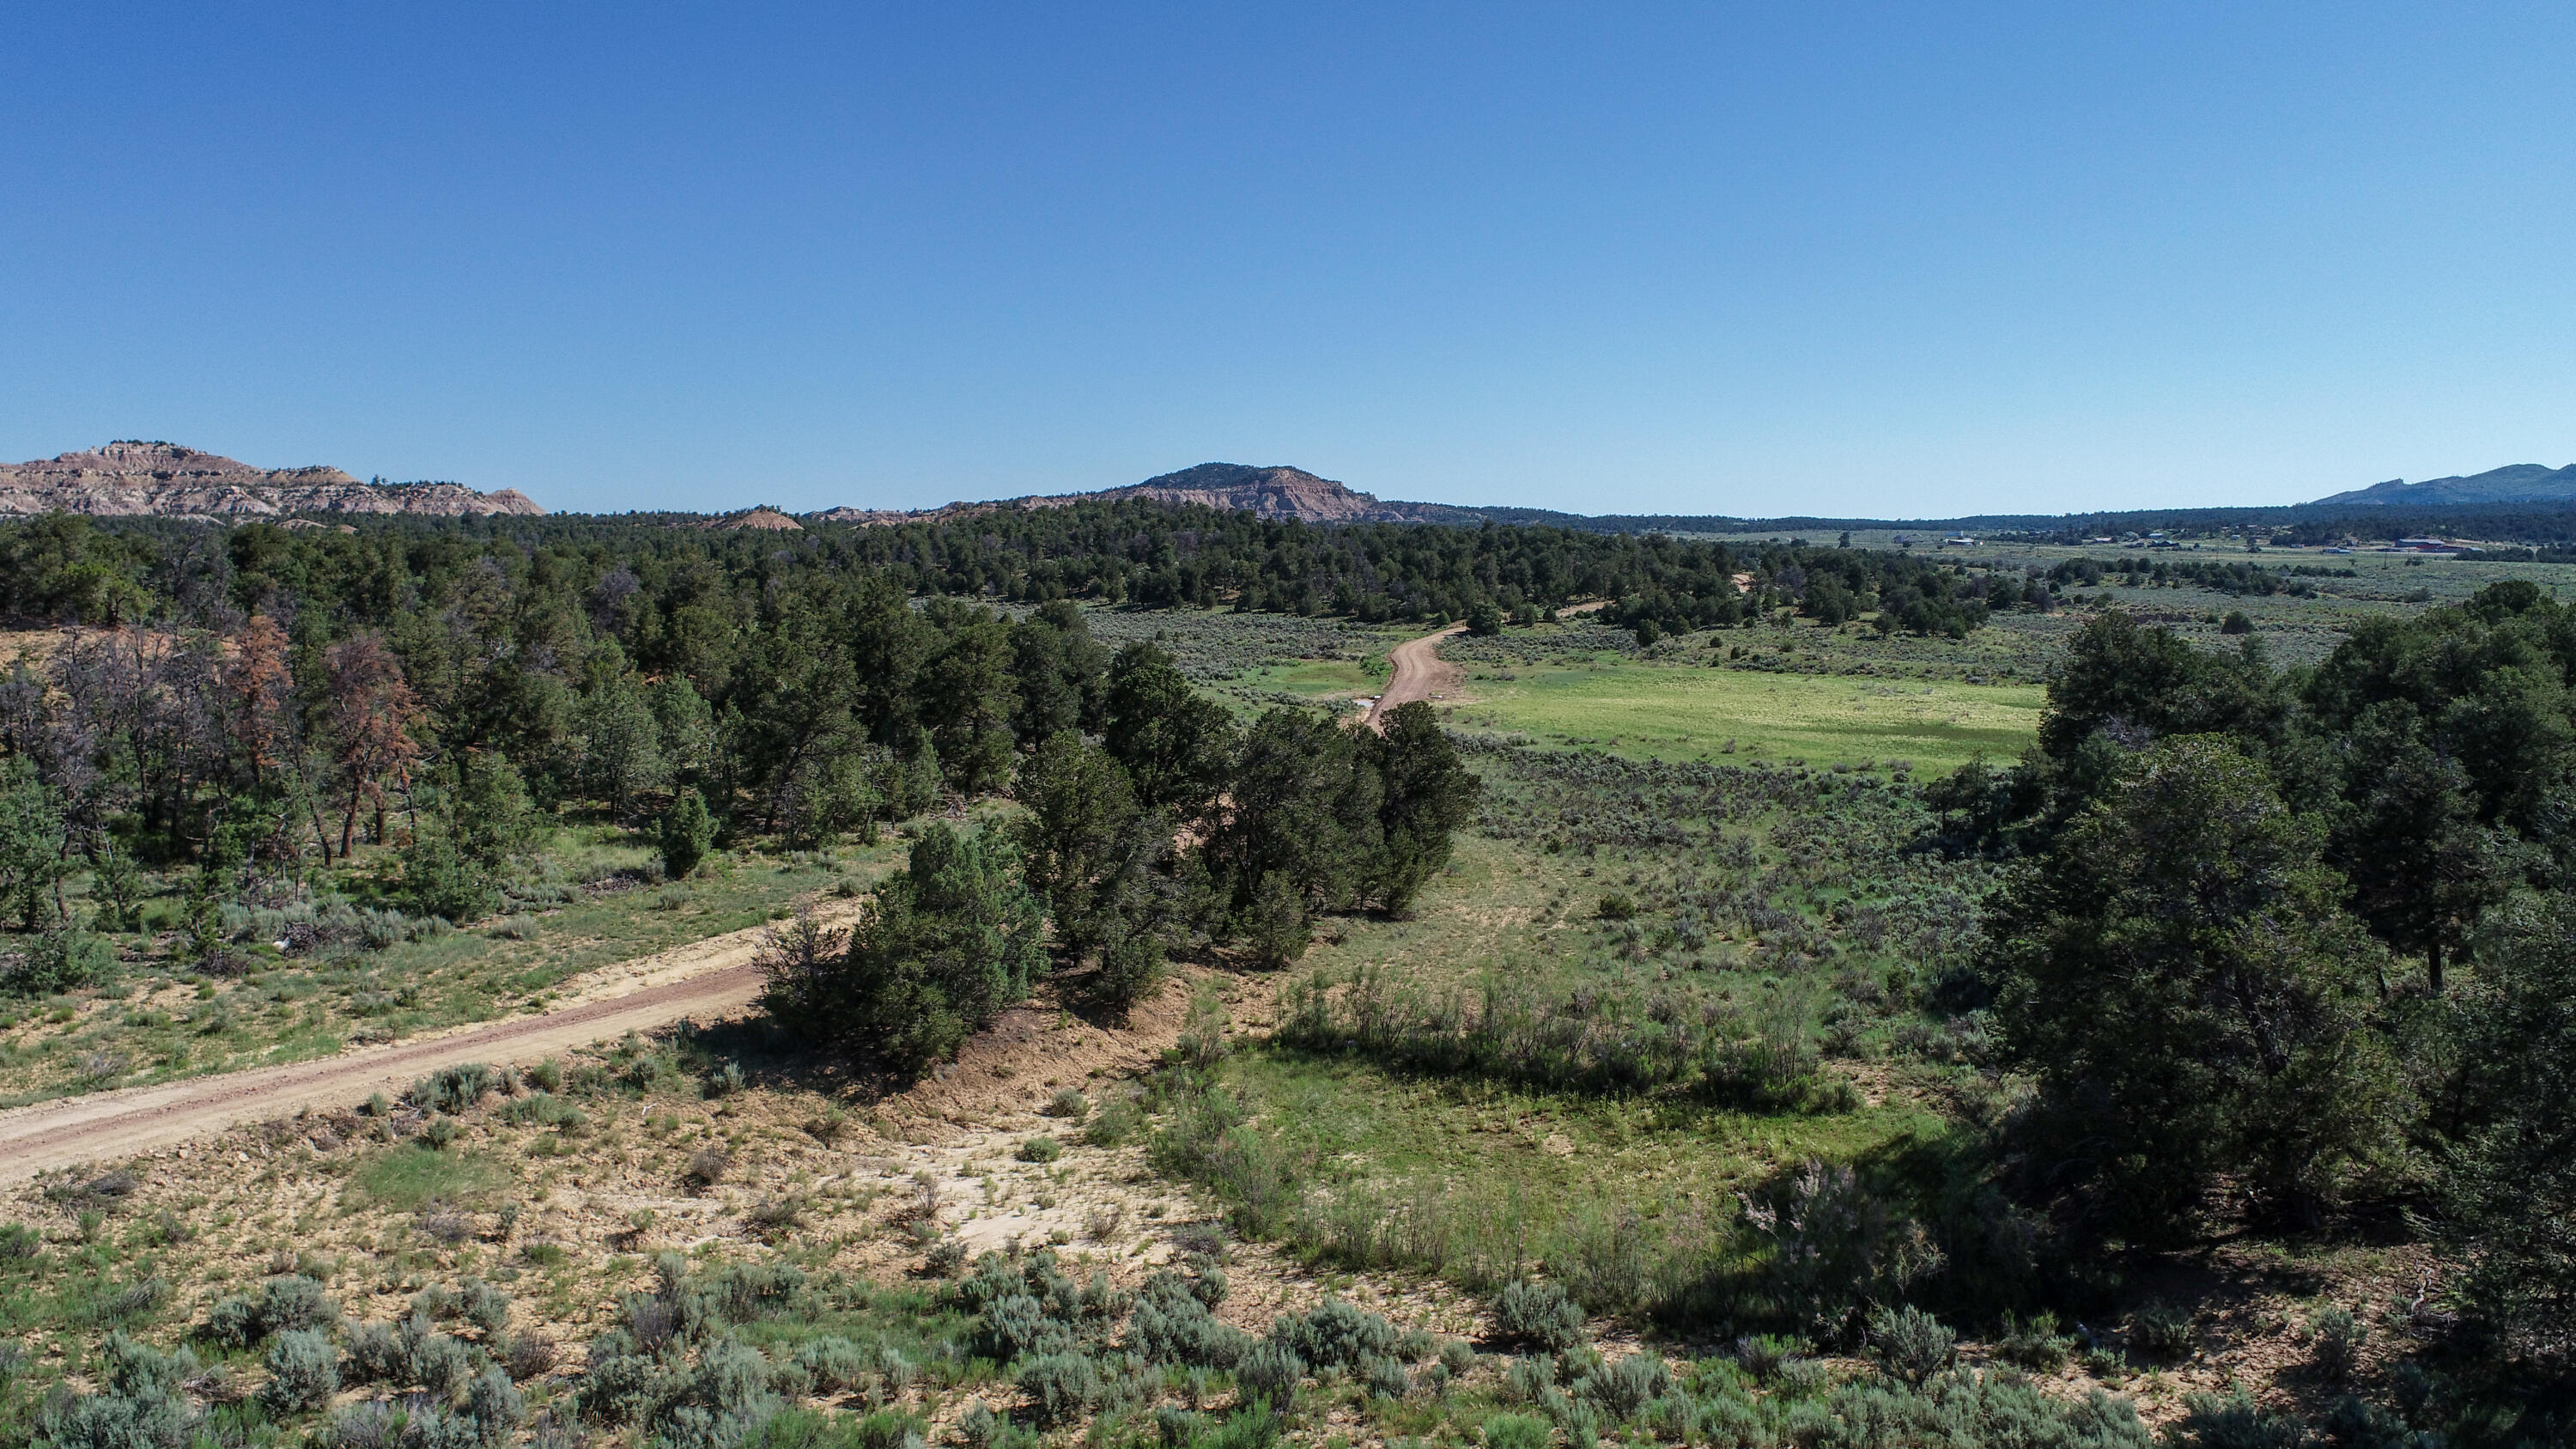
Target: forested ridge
{"x":66,"y":568}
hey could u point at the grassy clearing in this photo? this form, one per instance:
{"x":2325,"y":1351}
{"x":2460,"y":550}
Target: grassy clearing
{"x":1321,"y":683}
{"x":408,"y":1176}
{"x":1677,"y":712}
{"x":1482,"y":1182}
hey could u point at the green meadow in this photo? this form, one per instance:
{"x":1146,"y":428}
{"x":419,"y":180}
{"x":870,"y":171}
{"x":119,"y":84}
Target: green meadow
{"x":1686,"y":712}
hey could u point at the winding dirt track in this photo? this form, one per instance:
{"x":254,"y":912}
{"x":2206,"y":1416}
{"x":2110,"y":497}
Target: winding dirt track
{"x":703,"y":979}
{"x":1420,"y":672}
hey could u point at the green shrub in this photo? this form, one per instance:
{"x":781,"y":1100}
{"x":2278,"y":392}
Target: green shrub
{"x":1766,"y":1355}
{"x":439,"y":879}
{"x":1518,"y":1431}
{"x":1527,"y":1380}
{"x":1527,"y":1311}
{"x":485,"y":1307}
{"x":1060,"y":1386}
{"x":1041,"y":1149}
{"x":2235,"y":1421}
{"x":59,"y":961}
{"x":303,"y":1371}
{"x":1171,"y":1324}
{"x":1115,"y":1124}
{"x":2162,"y":1331}
{"x":1337,"y":1334}
{"x":454,"y":1089}
{"x":889,"y":1429}
{"x":494,"y":1405}
{"x":283,"y":1304}
{"x":1911,"y":1344}
{"x":686,"y":832}
{"x":2033,"y":1343}
{"x":1386,"y":1378}
{"x":2335,"y":1339}
{"x":1253,"y":1426}
{"x":945,"y":947}
{"x":233,"y":1322}
{"x":1270,"y":1370}
{"x":1626,"y":1385}
{"x":835,"y":1364}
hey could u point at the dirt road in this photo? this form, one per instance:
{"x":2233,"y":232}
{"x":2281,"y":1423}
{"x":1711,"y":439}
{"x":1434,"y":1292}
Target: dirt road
{"x":704,"y":979}
{"x":1420,"y":672}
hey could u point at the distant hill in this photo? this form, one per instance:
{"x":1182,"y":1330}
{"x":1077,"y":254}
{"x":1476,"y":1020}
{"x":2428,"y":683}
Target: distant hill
{"x":2514,"y":483}
{"x":1275,"y":491}
{"x":2482,"y":506}
{"x":130,"y":478}
{"x":1282,"y":492}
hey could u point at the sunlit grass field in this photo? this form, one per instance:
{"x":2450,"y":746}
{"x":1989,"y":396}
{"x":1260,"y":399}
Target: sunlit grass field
{"x":1682,"y":712}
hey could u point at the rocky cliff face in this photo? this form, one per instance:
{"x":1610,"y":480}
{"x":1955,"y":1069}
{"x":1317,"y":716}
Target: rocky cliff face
{"x":1275,"y":492}
{"x":163,"y":480}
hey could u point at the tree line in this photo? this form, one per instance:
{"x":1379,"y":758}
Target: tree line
{"x":655,"y":582}
{"x":281,"y":708}
{"x":2301,"y":939}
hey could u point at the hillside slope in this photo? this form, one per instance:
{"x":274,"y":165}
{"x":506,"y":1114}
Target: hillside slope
{"x":1275,"y":491}
{"x":2514,"y":483}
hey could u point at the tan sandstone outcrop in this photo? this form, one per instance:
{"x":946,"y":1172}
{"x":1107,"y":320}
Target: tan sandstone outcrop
{"x":127,"y":478}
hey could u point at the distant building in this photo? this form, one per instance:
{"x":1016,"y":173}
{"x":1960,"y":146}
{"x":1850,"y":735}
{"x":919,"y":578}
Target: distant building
{"x":1958,"y":540}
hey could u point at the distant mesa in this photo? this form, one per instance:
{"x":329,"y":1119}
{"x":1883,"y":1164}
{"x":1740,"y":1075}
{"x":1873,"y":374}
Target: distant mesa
{"x":1279,"y":492}
{"x":761,"y":517}
{"x":2515,"y":483}
{"x":131,"y":478}
{"x":1276,"y":491}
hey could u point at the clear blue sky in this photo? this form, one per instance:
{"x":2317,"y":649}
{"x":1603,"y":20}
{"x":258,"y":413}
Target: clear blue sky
{"x":1910,"y":259}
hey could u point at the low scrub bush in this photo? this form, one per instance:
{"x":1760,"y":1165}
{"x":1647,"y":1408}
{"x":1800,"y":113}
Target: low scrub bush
{"x":1060,"y":1386}
{"x":2034,"y":1342}
{"x":1337,"y":1335}
{"x":303,"y":1371}
{"x":282,"y":1305}
{"x":1527,"y":1311}
{"x":1270,"y":1370}
{"x":1910,"y":1344}
{"x":2334,"y":1342}
{"x":456,"y":1089}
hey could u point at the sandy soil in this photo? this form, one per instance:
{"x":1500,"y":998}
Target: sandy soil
{"x":709,"y":978}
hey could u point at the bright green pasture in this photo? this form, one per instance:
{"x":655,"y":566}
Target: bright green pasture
{"x":1675,"y":712}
